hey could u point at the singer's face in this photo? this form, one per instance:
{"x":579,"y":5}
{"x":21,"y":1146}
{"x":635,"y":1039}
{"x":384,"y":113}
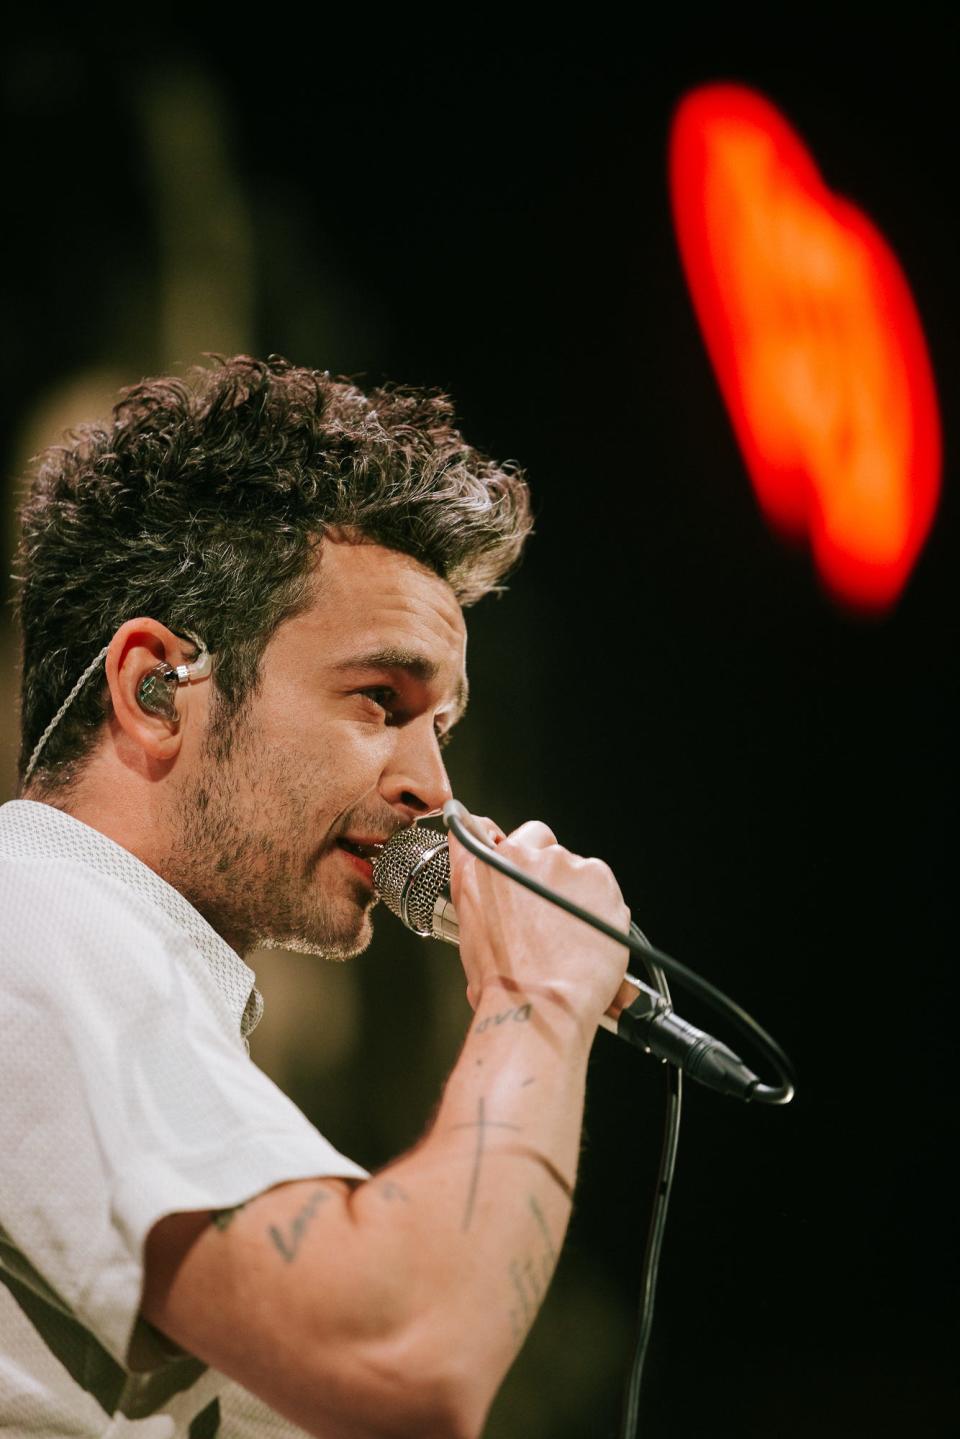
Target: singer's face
{"x":341,"y":742}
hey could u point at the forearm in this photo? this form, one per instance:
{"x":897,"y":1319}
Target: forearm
{"x":480,"y":1208}
{"x":395,"y":1307}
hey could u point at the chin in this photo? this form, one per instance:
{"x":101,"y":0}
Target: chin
{"x":328,"y":944}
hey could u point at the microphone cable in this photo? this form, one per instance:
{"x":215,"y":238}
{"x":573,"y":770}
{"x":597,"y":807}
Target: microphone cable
{"x":629,"y":1421}
{"x":657,"y":965}
{"x":458,"y":820}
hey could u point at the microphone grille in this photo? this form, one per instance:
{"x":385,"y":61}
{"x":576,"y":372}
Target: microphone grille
{"x":410,"y":872}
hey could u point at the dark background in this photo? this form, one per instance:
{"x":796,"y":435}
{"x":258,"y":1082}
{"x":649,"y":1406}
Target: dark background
{"x":771,"y":777}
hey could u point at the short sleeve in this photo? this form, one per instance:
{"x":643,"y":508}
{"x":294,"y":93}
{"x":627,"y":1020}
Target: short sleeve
{"x":128,"y":1093}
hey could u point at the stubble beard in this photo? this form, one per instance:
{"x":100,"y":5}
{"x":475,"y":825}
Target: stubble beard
{"x":242,"y":854}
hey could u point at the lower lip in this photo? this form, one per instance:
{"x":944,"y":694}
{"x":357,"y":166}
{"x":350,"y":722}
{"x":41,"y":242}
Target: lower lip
{"x":362,"y":866}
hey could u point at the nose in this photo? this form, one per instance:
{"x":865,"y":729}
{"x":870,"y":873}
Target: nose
{"x":415,"y":781}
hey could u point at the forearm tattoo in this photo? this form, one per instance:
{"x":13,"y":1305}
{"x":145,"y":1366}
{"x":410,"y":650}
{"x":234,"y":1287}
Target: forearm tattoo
{"x":530,"y":1274}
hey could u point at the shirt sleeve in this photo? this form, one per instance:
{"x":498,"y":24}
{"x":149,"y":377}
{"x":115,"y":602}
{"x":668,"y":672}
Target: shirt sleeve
{"x":128,"y":1093}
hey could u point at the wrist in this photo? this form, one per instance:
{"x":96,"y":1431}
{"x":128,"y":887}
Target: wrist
{"x":548,"y":1009}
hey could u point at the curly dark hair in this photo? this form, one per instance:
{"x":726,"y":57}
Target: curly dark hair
{"x":203,"y":504}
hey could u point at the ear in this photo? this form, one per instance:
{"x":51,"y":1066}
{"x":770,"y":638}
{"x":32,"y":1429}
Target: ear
{"x":137,"y":648}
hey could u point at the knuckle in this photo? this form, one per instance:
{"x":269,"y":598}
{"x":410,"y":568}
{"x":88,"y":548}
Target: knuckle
{"x":533,"y":831}
{"x":598,"y":870}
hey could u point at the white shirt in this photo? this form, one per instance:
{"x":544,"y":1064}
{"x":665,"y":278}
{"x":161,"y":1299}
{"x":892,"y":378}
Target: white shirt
{"x":126,"y":1094}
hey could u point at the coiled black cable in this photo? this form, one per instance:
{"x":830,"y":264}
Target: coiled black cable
{"x":657,"y":965}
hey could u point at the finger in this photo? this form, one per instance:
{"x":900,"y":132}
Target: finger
{"x":490,"y":828}
{"x":492,"y":832}
{"x":535,"y":834}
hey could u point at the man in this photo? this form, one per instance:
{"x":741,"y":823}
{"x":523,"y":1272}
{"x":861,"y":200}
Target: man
{"x":243,"y":649}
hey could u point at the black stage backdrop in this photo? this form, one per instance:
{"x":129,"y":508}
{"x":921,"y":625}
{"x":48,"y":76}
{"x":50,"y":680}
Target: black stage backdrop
{"x":665,"y":682}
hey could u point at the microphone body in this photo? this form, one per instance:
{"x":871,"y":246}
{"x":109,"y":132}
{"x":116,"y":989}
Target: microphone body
{"x":412,"y":877}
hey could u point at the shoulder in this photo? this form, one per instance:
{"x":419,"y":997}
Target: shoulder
{"x":63,"y":907}
{"x":81,"y":949}
{"x":64,"y":904}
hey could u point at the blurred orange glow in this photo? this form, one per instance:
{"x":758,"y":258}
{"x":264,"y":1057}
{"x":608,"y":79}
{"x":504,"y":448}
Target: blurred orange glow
{"x":815,"y":340}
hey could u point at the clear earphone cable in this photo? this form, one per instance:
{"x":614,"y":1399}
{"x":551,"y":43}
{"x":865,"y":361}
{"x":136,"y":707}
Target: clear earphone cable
{"x":38,"y":747}
{"x":90,"y":669}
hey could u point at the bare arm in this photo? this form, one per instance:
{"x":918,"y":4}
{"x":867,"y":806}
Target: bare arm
{"x":395,"y":1308}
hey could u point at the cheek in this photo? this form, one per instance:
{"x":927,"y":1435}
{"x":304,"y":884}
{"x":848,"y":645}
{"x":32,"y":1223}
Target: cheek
{"x":335,"y":761}
{"x":354,"y":755}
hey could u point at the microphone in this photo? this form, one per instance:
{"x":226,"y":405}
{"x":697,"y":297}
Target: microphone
{"x":411,"y":875}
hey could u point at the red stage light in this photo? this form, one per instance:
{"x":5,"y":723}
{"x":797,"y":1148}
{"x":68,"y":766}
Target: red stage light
{"x":815,"y":340}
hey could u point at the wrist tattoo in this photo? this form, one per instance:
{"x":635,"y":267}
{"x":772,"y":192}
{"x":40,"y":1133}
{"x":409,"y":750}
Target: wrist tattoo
{"x":517,"y":1014}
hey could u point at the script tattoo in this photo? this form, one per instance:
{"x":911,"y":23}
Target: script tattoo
{"x":289,"y":1247}
{"x":518,"y":1014}
{"x":530,"y":1276}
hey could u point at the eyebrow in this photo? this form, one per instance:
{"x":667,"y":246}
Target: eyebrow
{"x":417,"y":666}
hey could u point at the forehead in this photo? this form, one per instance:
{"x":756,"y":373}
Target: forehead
{"x":367,"y":599}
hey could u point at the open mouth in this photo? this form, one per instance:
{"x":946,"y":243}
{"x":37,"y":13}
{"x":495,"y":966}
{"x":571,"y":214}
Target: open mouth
{"x":363,"y":850}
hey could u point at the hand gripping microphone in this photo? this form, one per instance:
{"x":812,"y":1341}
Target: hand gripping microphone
{"x":412,"y":877}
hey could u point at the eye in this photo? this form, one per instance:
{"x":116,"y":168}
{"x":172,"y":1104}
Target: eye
{"x":382,"y":697}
